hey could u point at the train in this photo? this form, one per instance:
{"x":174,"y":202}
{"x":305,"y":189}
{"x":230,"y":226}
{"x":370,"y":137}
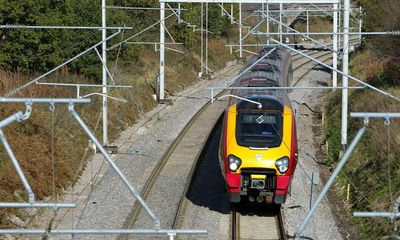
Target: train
{"x":258,"y":149}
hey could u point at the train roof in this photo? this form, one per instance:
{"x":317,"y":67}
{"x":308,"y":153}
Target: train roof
{"x":269,"y":72}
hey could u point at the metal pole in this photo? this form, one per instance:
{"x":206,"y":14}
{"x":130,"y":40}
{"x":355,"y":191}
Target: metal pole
{"x":240,"y":31}
{"x":335,"y":44}
{"x":346,"y":156}
{"x":345,"y":93}
{"x":36,"y":205}
{"x":104,"y":231}
{"x":268,"y":42}
{"x":390,"y":215}
{"x":162,"y":52}
{"x":104,"y":51}
{"x":340,"y":24}
{"x":61,"y":27}
{"x":13,"y":118}
{"x":369,"y":115}
{"x":281,"y":88}
{"x":43,"y":100}
{"x":294,"y":33}
{"x":232,"y":18}
{"x":113,"y":165}
{"x":21,"y":175}
{"x":308,"y":24}
{"x":202,"y":39}
{"x":361,"y":23}
{"x":280,"y":21}
{"x":179,"y":14}
{"x":311,"y":190}
{"x":206,"y":38}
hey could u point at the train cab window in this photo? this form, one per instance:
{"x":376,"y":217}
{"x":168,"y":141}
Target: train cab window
{"x":259,"y":129}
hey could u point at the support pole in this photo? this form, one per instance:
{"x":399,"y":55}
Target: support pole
{"x":232,"y":18}
{"x":161,"y":96}
{"x":280,"y":21}
{"x":361,"y":23}
{"x":179,"y":14}
{"x":125,"y":180}
{"x":104,"y":51}
{"x":345,"y":93}
{"x":340,"y":25}
{"x":268,"y":31}
{"x":346,"y":156}
{"x":206,"y":38}
{"x":335,"y":44}
{"x":308,"y":24}
{"x":21,"y":175}
{"x":202,"y":40}
{"x":240,"y":31}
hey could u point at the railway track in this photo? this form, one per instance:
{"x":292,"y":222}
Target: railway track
{"x":266,"y":222}
{"x":182,"y":154}
{"x":240,"y":220}
{"x":257,"y":221}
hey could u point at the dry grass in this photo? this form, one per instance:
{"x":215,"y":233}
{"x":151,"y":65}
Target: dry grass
{"x":373,"y":170}
{"x":366,"y":65}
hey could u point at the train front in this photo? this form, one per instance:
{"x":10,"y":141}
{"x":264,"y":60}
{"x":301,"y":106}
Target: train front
{"x":259,"y":149}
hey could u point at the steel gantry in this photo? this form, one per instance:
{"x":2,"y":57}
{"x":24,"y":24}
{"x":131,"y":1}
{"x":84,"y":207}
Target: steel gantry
{"x":221,"y":2}
{"x":336,"y":34}
{"x":335,"y":9}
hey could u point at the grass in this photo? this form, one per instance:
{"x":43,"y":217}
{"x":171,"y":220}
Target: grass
{"x":374,"y":168}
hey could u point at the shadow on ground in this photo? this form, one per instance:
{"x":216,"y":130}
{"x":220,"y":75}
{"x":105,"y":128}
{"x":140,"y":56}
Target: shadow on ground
{"x":207,"y":188}
{"x":246,"y":208}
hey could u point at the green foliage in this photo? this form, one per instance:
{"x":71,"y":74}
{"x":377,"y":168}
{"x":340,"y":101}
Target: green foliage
{"x":333,"y":127}
{"x":367,"y":168}
{"x":40,"y":50}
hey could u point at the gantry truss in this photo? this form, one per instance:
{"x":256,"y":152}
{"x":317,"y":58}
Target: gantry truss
{"x":327,"y":6}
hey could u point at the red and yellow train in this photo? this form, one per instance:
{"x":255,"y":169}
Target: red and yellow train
{"x":258,"y":147}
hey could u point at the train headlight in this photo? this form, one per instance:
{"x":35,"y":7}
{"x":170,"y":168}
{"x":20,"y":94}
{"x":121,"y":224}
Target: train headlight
{"x":282,"y":164}
{"x":234,"y":163}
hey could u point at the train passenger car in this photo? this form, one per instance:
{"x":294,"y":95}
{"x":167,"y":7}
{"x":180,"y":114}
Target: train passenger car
{"x":258,"y":146}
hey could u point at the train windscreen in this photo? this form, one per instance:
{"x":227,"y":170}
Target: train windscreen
{"x":259,"y":129}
